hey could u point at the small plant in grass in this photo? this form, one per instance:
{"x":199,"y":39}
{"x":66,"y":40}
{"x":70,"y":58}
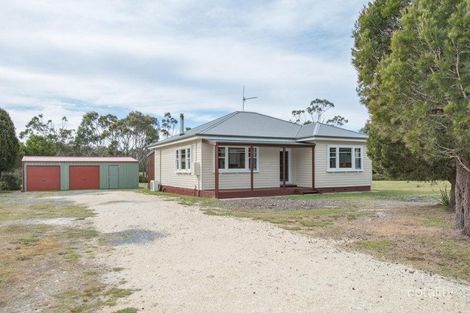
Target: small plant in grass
{"x":444,"y":197}
{"x":71,"y":256}
{"x":315,"y":223}
{"x":29,"y":240}
{"x":127,"y":310}
{"x":374,"y":245}
{"x":114,"y":294}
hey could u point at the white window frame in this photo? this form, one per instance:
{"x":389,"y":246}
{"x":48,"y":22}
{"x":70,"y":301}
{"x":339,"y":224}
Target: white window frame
{"x":247,"y":161}
{"x":353,"y":158}
{"x":188,"y":152}
{"x":360,"y":157}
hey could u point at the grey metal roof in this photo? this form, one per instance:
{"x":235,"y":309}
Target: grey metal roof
{"x":325,"y":130}
{"x":306,"y":130}
{"x":333,"y":131}
{"x":255,"y":125}
{"x":193,"y":131}
{"x":256,"y":141}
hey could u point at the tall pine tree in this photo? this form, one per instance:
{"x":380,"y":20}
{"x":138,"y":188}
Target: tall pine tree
{"x":418,"y":90}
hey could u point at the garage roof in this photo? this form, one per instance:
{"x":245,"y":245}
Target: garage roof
{"x":76,"y":159}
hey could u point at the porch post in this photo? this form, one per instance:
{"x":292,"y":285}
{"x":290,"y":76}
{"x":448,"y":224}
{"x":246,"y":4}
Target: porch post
{"x":251,"y":167}
{"x":216,"y":170}
{"x":313,"y":167}
{"x":284,"y":167}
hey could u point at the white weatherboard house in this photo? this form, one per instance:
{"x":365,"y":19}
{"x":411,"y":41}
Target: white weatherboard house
{"x":245,"y":154}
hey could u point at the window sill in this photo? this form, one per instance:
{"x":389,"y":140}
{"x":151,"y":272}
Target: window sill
{"x":236,"y":171}
{"x":345,"y":170}
{"x":183,"y":172}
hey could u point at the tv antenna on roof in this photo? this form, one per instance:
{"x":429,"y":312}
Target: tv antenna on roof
{"x":244,"y":99}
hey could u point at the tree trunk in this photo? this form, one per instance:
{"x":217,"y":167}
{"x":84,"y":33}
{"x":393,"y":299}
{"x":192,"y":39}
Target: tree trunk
{"x":452,"y":193}
{"x":462,"y":197}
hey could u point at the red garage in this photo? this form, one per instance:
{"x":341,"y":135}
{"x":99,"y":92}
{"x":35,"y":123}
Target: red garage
{"x":84,"y":177}
{"x":42,"y":178}
{"x":41,"y":173}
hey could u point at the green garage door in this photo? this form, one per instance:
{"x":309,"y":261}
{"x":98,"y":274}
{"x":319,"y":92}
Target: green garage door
{"x":113,"y":176}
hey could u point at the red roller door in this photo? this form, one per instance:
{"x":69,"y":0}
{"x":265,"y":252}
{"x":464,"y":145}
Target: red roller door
{"x":84,"y":177}
{"x":42,"y":178}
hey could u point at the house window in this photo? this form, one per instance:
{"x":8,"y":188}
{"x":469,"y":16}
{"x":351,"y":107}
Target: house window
{"x":183,"y":160}
{"x":177,"y":160}
{"x":345,"y":157}
{"x":358,"y":158}
{"x":255,"y":158}
{"x":342,"y":158}
{"x":236,"y":159}
{"x":332,"y":157}
{"x":221,"y":157}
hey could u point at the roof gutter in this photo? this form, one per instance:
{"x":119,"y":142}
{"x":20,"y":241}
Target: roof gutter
{"x":257,"y":143}
{"x":246,"y":139}
{"x":326,"y":138}
{"x":173,"y":142}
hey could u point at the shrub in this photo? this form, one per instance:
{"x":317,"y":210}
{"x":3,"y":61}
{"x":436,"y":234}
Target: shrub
{"x":143,"y":179}
{"x":10,"y":181}
{"x":444,"y":198}
{"x":378,"y":176}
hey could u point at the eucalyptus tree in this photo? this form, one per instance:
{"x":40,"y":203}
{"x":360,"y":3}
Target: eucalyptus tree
{"x":8,"y":142}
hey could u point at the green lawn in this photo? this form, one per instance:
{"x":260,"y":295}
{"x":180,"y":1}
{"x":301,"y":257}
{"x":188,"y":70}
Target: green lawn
{"x":388,"y":190}
{"x":417,"y":187}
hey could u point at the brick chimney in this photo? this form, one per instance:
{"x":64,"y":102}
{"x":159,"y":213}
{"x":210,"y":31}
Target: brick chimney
{"x":181,"y":124}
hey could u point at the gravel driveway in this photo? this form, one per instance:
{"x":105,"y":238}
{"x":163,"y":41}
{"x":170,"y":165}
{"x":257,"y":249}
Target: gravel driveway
{"x":201,"y":263}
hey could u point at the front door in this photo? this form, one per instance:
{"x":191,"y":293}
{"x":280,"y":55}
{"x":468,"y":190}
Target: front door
{"x":284,"y":163}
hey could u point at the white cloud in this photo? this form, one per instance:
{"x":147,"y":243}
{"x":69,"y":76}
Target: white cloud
{"x":287,"y":16}
{"x":64,"y":58}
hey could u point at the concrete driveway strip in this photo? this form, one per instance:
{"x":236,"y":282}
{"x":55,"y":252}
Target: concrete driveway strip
{"x":201,"y":263}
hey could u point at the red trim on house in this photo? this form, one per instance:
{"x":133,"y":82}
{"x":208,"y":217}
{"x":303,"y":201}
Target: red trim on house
{"x":262,"y":192}
{"x":313,"y":167}
{"x":258,"y":192}
{"x":343,"y":189}
{"x":150,"y":168}
{"x":237,"y":193}
{"x":284,"y":167}
{"x":216,"y":169}
{"x":188,"y":191}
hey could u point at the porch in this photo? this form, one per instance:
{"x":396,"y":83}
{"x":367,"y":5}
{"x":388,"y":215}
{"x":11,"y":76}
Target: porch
{"x":286,"y":169}
{"x":264,"y":192}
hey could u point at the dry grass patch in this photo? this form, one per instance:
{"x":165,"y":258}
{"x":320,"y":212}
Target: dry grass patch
{"x":298,"y":219}
{"x":21,"y":206}
{"x":47,"y":266}
{"x":399,"y":224}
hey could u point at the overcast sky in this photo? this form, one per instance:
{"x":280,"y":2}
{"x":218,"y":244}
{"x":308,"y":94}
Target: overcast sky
{"x":69,"y":57}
